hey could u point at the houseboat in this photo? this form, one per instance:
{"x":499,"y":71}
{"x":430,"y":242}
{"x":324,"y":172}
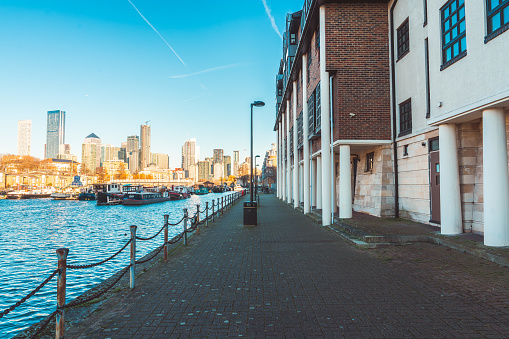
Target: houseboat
{"x":179,"y":192}
{"x":143,"y":198}
{"x":108,"y":194}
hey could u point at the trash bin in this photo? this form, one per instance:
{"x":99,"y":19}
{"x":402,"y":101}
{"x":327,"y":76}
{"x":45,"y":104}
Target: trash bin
{"x":250,"y":213}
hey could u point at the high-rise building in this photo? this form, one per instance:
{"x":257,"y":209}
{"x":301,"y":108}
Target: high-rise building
{"x":218,"y":156}
{"x":109,"y":152}
{"x":133,"y":143}
{"x":24,"y":136}
{"x":145,"y":157}
{"x":122,"y":154}
{"x":227,"y":166}
{"x":91,"y":154}
{"x":218,"y":171}
{"x":55,"y":135}
{"x":236,"y":163}
{"x":133,"y":158}
{"x":190,"y":154}
{"x":161,"y":160}
{"x":205,"y":170}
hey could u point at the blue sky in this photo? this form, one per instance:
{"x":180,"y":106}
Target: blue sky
{"x":103,"y":64}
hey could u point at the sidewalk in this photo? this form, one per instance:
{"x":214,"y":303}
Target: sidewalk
{"x":289,"y":277}
{"x":366,"y":231}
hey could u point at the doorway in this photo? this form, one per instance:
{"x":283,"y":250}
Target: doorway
{"x":434,"y":179}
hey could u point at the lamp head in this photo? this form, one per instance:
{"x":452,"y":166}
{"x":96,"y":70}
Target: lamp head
{"x":258,"y":104}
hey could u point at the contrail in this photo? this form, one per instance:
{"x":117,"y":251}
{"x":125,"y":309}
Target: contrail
{"x":272,"y":21}
{"x":204,"y":71}
{"x":155,"y":30}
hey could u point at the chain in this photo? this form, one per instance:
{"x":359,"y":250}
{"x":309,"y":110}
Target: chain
{"x":152,"y":237}
{"x":78,"y":267}
{"x":176,"y":238}
{"x":44,"y":324}
{"x":29,"y":295}
{"x":152,"y":257}
{"x":169,"y":224}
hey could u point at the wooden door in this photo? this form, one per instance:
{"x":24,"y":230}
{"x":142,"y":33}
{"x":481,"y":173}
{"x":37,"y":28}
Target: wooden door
{"x":434,"y":171}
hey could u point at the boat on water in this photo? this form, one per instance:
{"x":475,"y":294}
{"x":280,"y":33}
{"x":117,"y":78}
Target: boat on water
{"x":108,"y":194}
{"x":179,"y":193}
{"x":63,"y":196}
{"x":201,"y":191}
{"x":87,"y":194}
{"x":218,"y":189}
{"x":144,"y":198}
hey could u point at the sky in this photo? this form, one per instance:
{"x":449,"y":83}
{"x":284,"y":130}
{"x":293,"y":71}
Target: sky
{"x":189,"y":68}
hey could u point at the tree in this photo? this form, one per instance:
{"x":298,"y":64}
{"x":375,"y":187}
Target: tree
{"x":101,"y":174}
{"x":270,"y":174}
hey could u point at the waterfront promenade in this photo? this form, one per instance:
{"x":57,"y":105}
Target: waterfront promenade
{"x":290,"y":277}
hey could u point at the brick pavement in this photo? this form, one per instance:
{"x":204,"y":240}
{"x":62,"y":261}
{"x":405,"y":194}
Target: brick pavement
{"x":289,"y":277}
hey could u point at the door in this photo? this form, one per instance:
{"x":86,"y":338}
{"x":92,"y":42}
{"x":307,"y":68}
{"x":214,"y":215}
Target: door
{"x":434,"y":172}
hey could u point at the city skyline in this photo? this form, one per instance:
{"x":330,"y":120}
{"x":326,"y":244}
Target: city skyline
{"x":115,"y":72}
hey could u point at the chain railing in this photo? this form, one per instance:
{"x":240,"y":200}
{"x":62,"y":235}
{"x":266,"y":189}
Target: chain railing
{"x":61,"y":272}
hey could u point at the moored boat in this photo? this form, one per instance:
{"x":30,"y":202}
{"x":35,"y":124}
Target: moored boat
{"x":108,"y":194}
{"x":144,"y":198}
{"x":201,"y":191}
{"x":179,"y":192}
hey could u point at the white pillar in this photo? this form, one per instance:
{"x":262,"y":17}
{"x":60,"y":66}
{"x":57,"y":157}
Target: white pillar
{"x":450,"y":199}
{"x":313,"y":182}
{"x":288,"y":159}
{"x":495,"y":178}
{"x":334,"y":202}
{"x":345,"y":182}
{"x":283,"y":158}
{"x":278,"y":190}
{"x":301,"y":183}
{"x":305,"y":131}
{"x":319,"y":182}
{"x":295,"y":150}
{"x":325,"y":130}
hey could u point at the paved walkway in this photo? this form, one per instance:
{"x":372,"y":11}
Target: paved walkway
{"x":289,"y":277}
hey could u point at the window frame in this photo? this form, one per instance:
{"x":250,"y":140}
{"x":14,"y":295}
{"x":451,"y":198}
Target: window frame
{"x":460,"y":38}
{"x":403,"y":111}
{"x":403,"y":39}
{"x":370,"y":162}
{"x":499,"y":9}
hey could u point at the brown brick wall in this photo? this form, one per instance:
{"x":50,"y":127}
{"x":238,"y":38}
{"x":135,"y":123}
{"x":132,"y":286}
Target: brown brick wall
{"x":314,"y":69}
{"x":358,"y":55}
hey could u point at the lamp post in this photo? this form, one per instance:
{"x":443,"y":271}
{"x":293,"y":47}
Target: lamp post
{"x":250,"y":217}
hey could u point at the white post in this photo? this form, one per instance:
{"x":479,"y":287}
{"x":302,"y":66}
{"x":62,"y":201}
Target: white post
{"x":495,"y":178}
{"x":345,"y":182}
{"x":313,"y":181}
{"x":283,"y":158}
{"x":325,"y":130}
{"x":301,"y":183}
{"x":450,"y":199}
{"x":288,"y":162}
{"x":305,"y":131}
{"x":319,"y":182}
{"x":295,"y":151}
{"x":278,"y":162}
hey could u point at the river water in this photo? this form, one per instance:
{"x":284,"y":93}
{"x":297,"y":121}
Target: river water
{"x":31,"y":231}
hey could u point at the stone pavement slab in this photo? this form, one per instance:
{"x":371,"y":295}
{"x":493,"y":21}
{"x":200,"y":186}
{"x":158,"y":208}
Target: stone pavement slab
{"x":289,"y":277}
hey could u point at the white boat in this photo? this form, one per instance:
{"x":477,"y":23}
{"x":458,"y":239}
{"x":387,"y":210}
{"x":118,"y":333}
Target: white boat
{"x":60,"y":195}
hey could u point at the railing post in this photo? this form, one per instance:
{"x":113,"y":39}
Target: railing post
{"x":207,"y":214}
{"x":222,"y":205}
{"x":197,"y":219}
{"x":60,"y":321}
{"x":133,"y":257}
{"x":213,"y":213}
{"x":185,"y":226}
{"x":165,"y":237}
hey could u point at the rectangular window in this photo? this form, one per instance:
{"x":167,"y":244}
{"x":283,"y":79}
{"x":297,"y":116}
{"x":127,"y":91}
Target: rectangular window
{"x":405,"y":117}
{"x":317,"y":46}
{"x":291,"y":141}
{"x":318,"y":110}
{"x":403,"y":39}
{"x":293,"y":39}
{"x":370,"y":157}
{"x":311,"y":113}
{"x":299,"y":130}
{"x":454,"y":40}
{"x":426,"y":65}
{"x":497,"y":14}
{"x":425,"y":3}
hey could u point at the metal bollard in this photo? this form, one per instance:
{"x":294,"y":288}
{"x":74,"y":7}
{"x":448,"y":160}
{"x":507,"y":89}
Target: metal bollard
{"x":60,"y":321}
{"x":197,"y":219}
{"x":213,"y":213}
{"x":165,"y":237}
{"x":133,"y":257}
{"x":185,"y":226}
{"x":207,"y":213}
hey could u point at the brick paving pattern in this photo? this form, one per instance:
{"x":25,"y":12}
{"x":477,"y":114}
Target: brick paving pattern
{"x":289,"y":277}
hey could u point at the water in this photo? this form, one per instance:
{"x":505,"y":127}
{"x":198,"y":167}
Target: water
{"x":31,"y":231}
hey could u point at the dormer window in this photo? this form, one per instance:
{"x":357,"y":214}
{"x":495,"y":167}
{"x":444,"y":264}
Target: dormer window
{"x":293,"y":39}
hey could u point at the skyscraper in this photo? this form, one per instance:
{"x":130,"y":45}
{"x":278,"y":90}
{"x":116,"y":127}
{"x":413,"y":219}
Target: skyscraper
{"x":161,"y":160}
{"x":218,"y":156}
{"x":145,"y":156}
{"x":24,"y":136}
{"x":109,"y":152}
{"x":55,"y":135}
{"x":236,"y":163}
{"x":91,"y":153}
{"x":227,"y":166}
{"x":190,"y":154}
{"x":133,"y":143}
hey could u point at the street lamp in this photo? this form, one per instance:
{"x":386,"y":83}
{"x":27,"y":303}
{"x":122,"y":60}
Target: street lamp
{"x":250,"y":216}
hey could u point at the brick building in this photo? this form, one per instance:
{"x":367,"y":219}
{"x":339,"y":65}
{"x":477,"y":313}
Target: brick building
{"x":379,"y":105}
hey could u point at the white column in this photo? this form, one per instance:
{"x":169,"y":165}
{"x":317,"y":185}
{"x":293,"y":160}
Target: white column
{"x":325,"y":130}
{"x":305,"y":131}
{"x":295,"y":150}
{"x":283,"y":158}
{"x":288,"y":159}
{"x":313,"y":182}
{"x":450,"y":199}
{"x":301,"y":182}
{"x":278,"y":160}
{"x":319,"y":182}
{"x":334,"y":202}
{"x":495,"y":178}
{"x":345,"y":182}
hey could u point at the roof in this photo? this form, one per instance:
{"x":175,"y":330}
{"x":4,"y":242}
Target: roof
{"x":92,"y":135}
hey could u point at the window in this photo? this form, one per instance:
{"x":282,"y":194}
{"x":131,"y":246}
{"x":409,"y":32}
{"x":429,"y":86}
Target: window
{"x":454,"y":40}
{"x":293,"y":39}
{"x":405,"y":117}
{"x":299,"y":130}
{"x":317,"y":46}
{"x":318,"y":111}
{"x":311,"y":113}
{"x":403,"y":40}
{"x":425,"y":3}
{"x":405,"y":150}
{"x":426,"y":68}
{"x":497,"y":15}
{"x":370,"y":157}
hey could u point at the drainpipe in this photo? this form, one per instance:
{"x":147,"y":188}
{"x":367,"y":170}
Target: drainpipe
{"x":394,"y":129}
